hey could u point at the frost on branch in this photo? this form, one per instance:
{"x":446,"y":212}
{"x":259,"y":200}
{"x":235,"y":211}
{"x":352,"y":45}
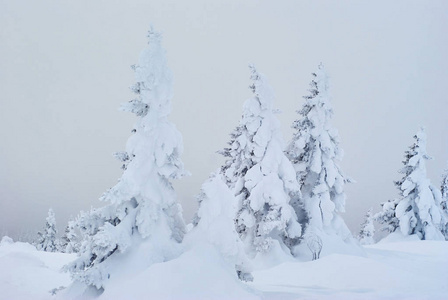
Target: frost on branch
{"x":314,"y":243}
{"x":139,"y":108}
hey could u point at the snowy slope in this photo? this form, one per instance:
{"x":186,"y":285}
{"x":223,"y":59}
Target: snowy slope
{"x":399,"y":270}
{"x":26,"y":273}
{"x":200,"y":273}
{"x":396,"y":268}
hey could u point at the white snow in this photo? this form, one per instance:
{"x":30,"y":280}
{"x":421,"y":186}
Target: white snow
{"x":26,"y":273}
{"x":399,"y":267}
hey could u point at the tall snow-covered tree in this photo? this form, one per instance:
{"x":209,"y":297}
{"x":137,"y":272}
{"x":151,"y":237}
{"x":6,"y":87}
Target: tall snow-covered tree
{"x":367,"y":230}
{"x":47,"y":240}
{"x":417,"y":210}
{"x":314,"y":151}
{"x":444,"y":204}
{"x":143,"y":211}
{"x":260,"y":175}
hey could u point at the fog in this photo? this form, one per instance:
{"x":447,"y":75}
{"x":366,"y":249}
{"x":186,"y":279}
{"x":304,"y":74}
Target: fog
{"x":65,"y":69}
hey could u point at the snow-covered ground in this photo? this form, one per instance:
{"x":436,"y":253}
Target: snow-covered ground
{"x":26,"y":273}
{"x":392,"y":269}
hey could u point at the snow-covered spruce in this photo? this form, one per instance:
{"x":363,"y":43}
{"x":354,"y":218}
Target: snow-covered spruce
{"x":367,"y":231}
{"x":314,"y":151}
{"x":214,"y":223}
{"x":143,"y":215}
{"x":444,"y":204}
{"x":260,"y":175}
{"x":417,"y":210}
{"x":387,"y":216}
{"x":70,"y":240}
{"x":47,"y":240}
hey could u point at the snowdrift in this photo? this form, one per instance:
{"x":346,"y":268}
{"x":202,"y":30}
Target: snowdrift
{"x":26,"y":273}
{"x":395,"y":268}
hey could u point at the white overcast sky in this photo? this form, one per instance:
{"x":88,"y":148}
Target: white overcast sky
{"x":64,"y":70}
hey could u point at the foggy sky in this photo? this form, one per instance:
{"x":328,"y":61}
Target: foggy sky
{"x":64,"y":71}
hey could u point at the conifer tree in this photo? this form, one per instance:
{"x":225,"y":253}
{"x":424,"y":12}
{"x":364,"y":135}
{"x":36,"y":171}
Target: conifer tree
{"x":142,"y":206}
{"x":214,"y":223}
{"x":70,"y":240}
{"x":367,"y":230}
{"x":417,"y":209}
{"x":260,"y":175}
{"x":47,"y":240}
{"x":314,"y":151}
{"x":444,"y":204}
{"x":387,"y":216}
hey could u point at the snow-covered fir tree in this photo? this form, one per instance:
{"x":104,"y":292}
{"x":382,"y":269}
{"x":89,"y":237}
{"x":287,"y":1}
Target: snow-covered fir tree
{"x":367,"y":231}
{"x":214,"y":223}
{"x":143,"y":212}
{"x":260,"y":175}
{"x":314,"y":151}
{"x":47,"y":240}
{"x":417,"y":210}
{"x":387,"y":216}
{"x":70,"y":241}
{"x":444,"y":204}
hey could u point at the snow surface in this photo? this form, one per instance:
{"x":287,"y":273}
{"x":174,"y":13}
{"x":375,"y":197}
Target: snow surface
{"x":397,"y":267}
{"x":26,"y":273}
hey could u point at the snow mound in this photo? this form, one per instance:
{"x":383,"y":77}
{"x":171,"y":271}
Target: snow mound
{"x":6,"y":240}
{"x":397,"y":236}
{"x":30,"y":274}
{"x":200,"y":273}
{"x":331,"y":244}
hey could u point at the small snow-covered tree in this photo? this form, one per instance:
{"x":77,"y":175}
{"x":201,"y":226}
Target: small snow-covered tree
{"x":314,"y":151}
{"x":70,"y":240}
{"x":444,"y":204}
{"x":142,"y":206}
{"x":214,"y":223}
{"x":418,"y":211}
{"x":367,"y":231}
{"x":387,"y":216}
{"x":47,"y":240}
{"x":260,"y":175}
